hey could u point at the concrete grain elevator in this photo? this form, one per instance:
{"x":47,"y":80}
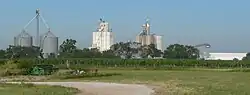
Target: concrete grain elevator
{"x":103,"y":38}
{"x":146,"y":38}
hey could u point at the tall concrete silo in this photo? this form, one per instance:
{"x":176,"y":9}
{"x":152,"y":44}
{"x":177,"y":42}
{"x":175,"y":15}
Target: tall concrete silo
{"x":159,"y":43}
{"x":103,"y":38}
{"x":23,"y":39}
{"x":49,"y":44}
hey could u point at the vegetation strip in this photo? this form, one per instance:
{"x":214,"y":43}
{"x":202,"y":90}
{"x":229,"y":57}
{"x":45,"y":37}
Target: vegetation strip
{"x":31,"y":89}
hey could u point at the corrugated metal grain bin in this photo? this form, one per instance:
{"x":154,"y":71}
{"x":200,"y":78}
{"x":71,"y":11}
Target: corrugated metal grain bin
{"x":23,"y":39}
{"x":49,"y":44}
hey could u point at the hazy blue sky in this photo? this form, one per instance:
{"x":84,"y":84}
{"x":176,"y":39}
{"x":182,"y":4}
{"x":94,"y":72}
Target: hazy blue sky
{"x":225,"y":24}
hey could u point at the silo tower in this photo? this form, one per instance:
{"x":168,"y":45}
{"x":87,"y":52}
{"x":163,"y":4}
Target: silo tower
{"x":23,"y":39}
{"x":47,"y":42}
{"x":146,"y":38}
{"x":103,"y":37}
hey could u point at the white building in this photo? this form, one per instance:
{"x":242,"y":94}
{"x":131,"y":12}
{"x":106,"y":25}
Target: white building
{"x":103,"y":38}
{"x":225,"y":56}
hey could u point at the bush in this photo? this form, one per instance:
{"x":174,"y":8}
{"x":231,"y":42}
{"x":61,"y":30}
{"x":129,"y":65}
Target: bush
{"x":10,"y":68}
{"x":70,"y":75}
{"x":135,"y":63}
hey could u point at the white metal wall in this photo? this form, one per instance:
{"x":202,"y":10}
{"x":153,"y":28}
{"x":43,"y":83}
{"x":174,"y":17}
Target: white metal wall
{"x":94,"y":39}
{"x":23,"y":41}
{"x":145,"y":39}
{"x":148,"y":39}
{"x":159,"y":42}
{"x":102,"y":40}
{"x":50,"y":45}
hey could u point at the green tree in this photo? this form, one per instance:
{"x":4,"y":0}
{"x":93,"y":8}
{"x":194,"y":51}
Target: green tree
{"x":67,"y":48}
{"x":150,"y":50}
{"x":247,"y":57}
{"x":181,"y":52}
{"x":2,"y":54}
{"x":125,"y":50}
{"x":109,"y":54}
{"x":23,"y":52}
{"x":89,"y":53}
{"x":69,"y":45}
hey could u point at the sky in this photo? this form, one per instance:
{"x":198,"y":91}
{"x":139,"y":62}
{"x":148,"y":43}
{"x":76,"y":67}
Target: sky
{"x":225,"y":24}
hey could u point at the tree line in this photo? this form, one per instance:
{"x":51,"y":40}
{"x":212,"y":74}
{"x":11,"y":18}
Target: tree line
{"x":126,"y":50}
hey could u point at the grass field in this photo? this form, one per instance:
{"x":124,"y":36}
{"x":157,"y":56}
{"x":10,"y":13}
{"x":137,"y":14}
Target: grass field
{"x":193,"y":82}
{"x":30,"y":89}
{"x":173,"y":82}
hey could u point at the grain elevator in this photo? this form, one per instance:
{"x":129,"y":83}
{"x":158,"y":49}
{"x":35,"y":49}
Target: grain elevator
{"x":24,"y":39}
{"x":47,"y":42}
{"x":103,"y":37}
{"x":146,"y":38}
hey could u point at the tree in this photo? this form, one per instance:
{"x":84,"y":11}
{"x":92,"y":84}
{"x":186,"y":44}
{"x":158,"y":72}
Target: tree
{"x":150,"y":50}
{"x":134,"y":49}
{"x":23,"y":52}
{"x":125,"y":50}
{"x":193,"y":53}
{"x":181,"y":51}
{"x":69,"y":45}
{"x":247,"y":57}
{"x":109,"y":54}
{"x":2,"y":54}
{"x":91,"y":53}
{"x":78,"y":53}
{"x":67,"y":48}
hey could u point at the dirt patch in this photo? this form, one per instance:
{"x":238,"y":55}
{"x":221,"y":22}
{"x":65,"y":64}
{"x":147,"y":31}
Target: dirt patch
{"x":99,"y":88}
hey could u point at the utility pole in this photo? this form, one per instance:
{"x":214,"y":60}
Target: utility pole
{"x":37,"y":17}
{"x":38,"y":27}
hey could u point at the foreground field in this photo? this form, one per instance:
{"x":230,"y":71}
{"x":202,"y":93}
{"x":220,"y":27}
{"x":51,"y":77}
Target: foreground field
{"x":173,"y":82}
{"x":29,"y":89}
{"x":183,"y":82}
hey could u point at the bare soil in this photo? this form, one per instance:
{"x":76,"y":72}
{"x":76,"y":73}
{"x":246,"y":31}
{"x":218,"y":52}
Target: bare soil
{"x":99,"y":88}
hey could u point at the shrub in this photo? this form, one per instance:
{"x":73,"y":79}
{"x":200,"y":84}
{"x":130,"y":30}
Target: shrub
{"x":135,"y":63}
{"x":10,"y":68}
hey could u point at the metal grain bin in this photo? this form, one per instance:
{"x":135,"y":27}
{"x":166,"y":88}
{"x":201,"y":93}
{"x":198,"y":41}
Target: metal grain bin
{"x":49,"y":44}
{"x":23,"y":39}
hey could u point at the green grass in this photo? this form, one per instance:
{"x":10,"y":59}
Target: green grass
{"x":30,"y":89}
{"x":193,"y":82}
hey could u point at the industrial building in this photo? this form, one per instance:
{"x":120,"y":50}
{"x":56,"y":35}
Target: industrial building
{"x":48,"y":42}
{"x":225,"y":56}
{"x":218,"y":56}
{"x":103,"y":37}
{"x":146,"y":38}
